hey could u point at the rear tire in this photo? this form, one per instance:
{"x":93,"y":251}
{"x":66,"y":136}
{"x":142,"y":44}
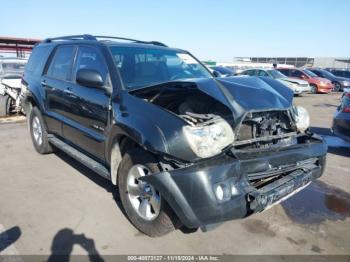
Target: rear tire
{"x":158,"y":219}
{"x":38,"y":132}
{"x":5,"y":103}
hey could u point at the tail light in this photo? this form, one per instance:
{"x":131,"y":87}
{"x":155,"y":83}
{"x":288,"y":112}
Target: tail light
{"x":346,"y":109}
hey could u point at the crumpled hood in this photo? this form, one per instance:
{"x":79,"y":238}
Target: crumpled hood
{"x":242,"y":93}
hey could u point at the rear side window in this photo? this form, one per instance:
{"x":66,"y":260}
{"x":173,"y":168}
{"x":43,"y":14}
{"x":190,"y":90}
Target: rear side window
{"x":37,"y":60}
{"x":61,"y":64}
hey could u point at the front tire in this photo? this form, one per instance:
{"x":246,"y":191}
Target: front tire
{"x":337,"y":87}
{"x":143,"y":204}
{"x":38,"y":132}
{"x":313,"y":89}
{"x":5,"y":103}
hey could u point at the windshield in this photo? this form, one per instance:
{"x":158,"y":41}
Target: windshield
{"x":276,"y":74}
{"x":140,"y":67}
{"x":309,"y":73}
{"x":327,"y":74}
{"x":11,"y":68}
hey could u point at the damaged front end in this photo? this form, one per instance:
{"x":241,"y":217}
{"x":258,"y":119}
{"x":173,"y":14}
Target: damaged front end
{"x":251,"y":148}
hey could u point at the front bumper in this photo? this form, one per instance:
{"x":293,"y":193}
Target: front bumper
{"x":302,"y":89}
{"x":190,"y":191}
{"x":325,"y":88}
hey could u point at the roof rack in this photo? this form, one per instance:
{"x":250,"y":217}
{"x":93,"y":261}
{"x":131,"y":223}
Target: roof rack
{"x":95,"y":38}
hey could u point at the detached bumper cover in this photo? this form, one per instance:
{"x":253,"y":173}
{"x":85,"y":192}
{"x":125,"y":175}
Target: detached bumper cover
{"x":190,"y":191}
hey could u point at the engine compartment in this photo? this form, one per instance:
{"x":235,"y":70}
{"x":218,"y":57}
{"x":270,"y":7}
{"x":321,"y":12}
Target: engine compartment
{"x":186,"y":101}
{"x":257,"y":130}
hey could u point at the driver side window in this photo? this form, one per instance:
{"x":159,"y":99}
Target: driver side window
{"x":90,"y":58}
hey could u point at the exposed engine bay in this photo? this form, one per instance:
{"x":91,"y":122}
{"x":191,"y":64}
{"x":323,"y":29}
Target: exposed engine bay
{"x":257,"y":126}
{"x":187,"y":102}
{"x":257,"y":130}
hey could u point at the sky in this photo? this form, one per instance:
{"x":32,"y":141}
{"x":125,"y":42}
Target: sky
{"x":218,"y":30}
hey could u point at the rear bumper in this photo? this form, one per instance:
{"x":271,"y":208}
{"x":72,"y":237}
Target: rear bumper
{"x":191,"y":193}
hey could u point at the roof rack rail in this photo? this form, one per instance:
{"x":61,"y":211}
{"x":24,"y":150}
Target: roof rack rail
{"x":95,"y":38}
{"x":71,"y":37}
{"x":132,"y":40}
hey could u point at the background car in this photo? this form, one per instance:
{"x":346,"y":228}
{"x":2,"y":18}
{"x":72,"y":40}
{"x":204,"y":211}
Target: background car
{"x":318,"y":84}
{"x":339,"y":72}
{"x":339,"y":82}
{"x":11,"y":71}
{"x":224,"y":71}
{"x":341,"y":120}
{"x":298,"y":86}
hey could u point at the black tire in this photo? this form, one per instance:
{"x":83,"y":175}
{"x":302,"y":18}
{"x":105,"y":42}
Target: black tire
{"x":5,"y":103}
{"x":314,"y":89}
{"x":166,"y":221}
{"x":44,"y":147}
{"x":337,"y":87}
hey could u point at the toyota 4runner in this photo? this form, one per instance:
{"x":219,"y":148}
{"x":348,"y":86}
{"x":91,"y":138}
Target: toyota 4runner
{"x":183,"y":148}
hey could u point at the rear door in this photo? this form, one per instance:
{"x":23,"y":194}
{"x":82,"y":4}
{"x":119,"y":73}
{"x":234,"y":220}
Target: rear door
{"x":87,"y":121}
{"x":55,"y":80}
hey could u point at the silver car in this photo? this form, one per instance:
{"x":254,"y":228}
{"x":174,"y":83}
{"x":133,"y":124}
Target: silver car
{"x":297,"y":85}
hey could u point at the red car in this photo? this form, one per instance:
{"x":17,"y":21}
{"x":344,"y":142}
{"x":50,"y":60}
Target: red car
{"x":318,"y":84}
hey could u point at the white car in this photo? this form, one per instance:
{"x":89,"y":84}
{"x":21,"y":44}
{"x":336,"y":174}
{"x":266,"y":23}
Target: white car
{"x":11,"y":70}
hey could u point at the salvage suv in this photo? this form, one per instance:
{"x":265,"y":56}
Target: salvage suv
{"x":184,"y":148}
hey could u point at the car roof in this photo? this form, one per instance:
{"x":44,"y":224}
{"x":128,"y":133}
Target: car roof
{"x":106,"y":41}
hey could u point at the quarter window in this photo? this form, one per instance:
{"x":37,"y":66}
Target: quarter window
{"x":61,"y":64}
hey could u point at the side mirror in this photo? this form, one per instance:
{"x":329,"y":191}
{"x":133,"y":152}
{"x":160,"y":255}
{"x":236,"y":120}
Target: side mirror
{"x":89,"y":78}
{"x":216,"y":73}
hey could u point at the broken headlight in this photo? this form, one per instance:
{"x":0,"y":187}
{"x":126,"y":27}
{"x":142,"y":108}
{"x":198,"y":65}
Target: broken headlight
{"x":208,"y":140}
{"x":302,"y":118}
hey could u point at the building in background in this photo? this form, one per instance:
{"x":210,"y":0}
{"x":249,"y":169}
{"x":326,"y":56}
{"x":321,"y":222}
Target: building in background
{"x":334,"y":62}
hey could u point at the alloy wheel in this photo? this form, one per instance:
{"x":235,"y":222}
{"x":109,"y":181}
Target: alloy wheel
{"x":37,"y":131}
{"x":143,"y":197}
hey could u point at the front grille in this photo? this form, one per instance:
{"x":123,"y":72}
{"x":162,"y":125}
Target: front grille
{"x":263,"y":178}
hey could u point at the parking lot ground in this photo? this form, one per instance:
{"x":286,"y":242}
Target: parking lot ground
{"x":53,"y":204}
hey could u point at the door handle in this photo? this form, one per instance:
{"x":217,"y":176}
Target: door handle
{"x":43,"y":83}
{"x":68,"y":91}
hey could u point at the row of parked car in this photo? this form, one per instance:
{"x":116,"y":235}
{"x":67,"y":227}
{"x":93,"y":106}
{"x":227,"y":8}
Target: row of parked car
{"x":315,"y":80}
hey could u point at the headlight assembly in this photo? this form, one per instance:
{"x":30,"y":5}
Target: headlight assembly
{"x":302,"y":118}
{"x":208,"y":140}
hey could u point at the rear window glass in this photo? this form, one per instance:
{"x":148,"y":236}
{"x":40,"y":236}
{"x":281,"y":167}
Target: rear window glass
{"x":38,"y":59}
